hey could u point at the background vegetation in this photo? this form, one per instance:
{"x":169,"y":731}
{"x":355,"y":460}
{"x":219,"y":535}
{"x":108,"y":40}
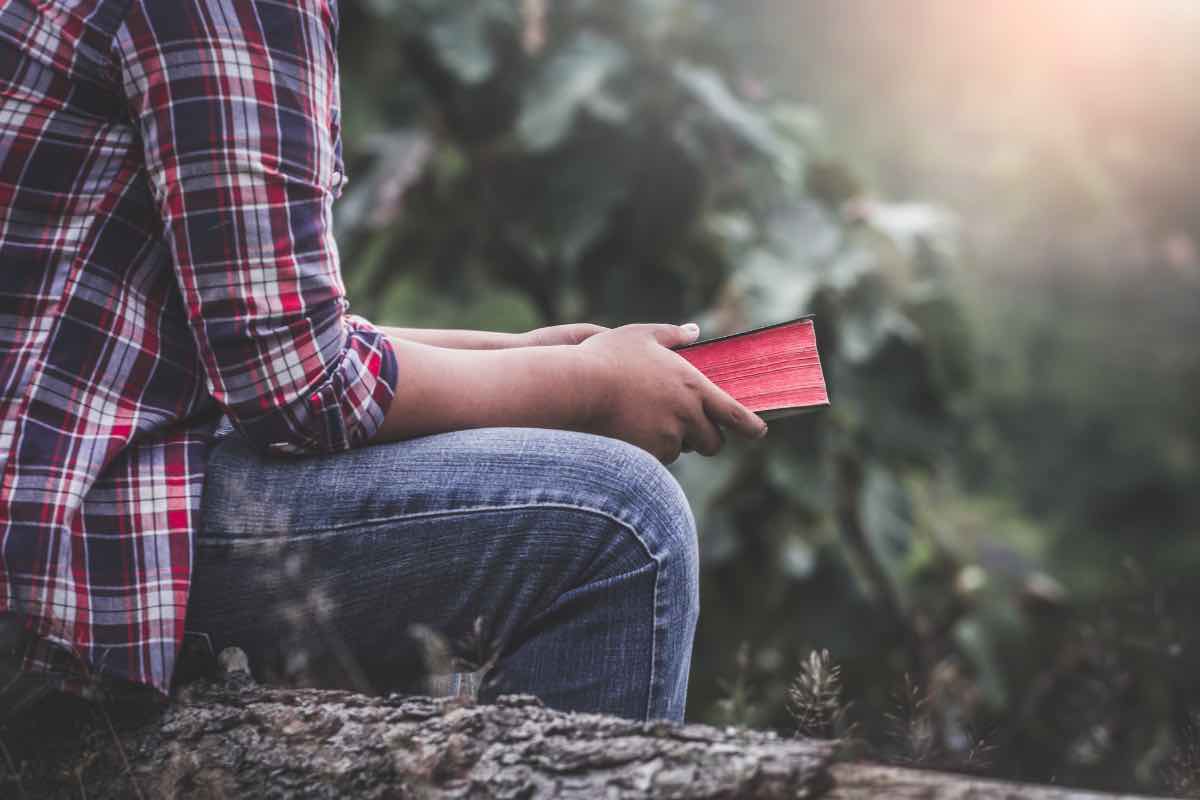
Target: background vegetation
{"x":990,"y":208}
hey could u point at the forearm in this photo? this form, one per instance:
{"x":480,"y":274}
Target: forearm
{"x":459,"y":339}
{"x":442,"y":389}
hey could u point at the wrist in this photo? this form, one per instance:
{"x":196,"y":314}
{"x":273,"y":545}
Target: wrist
{"x":591,"y":380}
{"x":489,"y":340}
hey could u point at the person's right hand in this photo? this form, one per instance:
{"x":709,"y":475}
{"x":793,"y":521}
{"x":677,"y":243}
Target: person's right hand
{"x":651,"y":397}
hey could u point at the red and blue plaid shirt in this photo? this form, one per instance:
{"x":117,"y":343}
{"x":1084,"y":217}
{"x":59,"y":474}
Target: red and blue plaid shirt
{"x":167,"y":170}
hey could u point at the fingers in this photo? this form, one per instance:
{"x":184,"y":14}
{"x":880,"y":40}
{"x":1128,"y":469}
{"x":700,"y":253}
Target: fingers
{"x":732,"y":415}
{"x":571,"y":333}
{"x":675,"y":335}
{"x":582,"y":331}
{"x":702,"y":435}
{"x":665,"y":445}
{"x":669,"y":455}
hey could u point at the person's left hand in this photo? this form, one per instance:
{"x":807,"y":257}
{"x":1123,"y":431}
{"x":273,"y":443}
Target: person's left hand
{"x":573,"y":333}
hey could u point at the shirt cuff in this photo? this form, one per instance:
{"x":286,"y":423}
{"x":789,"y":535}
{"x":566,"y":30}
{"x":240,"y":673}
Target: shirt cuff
{"x":348,"y":408}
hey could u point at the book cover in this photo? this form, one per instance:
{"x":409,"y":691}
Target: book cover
{"x":774,"y":371}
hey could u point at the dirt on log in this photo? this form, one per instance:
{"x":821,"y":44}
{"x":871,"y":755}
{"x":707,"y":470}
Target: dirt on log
{"x":235,"y":739}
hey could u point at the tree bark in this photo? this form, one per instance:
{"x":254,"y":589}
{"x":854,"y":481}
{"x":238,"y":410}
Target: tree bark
{"x":237,"y":739}
{"x":852,"y":781}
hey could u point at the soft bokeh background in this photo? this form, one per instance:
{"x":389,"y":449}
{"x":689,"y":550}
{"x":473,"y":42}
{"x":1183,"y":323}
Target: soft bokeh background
{"x":992,"y":207}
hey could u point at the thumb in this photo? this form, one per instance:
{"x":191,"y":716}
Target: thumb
{"x":676,"y":335}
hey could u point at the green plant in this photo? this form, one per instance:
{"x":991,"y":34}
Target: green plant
{"x":815,"y":698}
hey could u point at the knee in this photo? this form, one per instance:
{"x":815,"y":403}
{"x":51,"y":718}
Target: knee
{"x":648,"y":498}
{"x":670,"y":526}
{"x":623,"y":483}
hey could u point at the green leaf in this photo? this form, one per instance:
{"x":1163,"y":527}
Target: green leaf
{"x":909,"y":224}
{"x":608,"y":107}
{"x":797,"y":556}
{"x":709,"y":88}
{"x":802,"y":125}
{"x":973,"y":640}
{"x":704,"y":480}
{"x":864,"y":333}
{"x":800,"y":477}
{"x":567,"y":81}
{"x":412,"y":301}
{"x":887,"y":519}
{"x":653,"y":18}
{"x":772,"y":289}
{"x":563,"y":211}
{"x":850,"y":268}
{"x":732,"y":227}
{"x":805,"y":235}
{"x":374,"y":200}
{"x":461,"y":44}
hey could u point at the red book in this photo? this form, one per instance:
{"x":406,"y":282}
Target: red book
{"x":774,"y":371}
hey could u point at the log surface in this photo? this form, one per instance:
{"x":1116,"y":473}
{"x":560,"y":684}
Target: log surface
{"x":236,"y":739}
{"x":853,"y":781}
{"x":250,"y":741}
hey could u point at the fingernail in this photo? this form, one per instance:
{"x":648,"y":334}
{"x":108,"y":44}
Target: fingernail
{"x":692,"y":329}
{"x":762,"y":431}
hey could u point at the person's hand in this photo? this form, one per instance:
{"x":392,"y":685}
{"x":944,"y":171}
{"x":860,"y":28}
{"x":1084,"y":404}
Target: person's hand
{"x":574,"y":333}
{"x":652,"y":397}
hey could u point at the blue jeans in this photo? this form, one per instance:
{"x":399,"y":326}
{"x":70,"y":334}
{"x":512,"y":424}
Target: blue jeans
{"x":560,"y":564}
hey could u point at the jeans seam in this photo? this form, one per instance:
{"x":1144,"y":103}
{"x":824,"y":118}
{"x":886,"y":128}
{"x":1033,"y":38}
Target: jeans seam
{"x":358,"y":524}
{"x":605,"y":582}
{"x":349,"y":527}
{"x":596,"y":584}
{"x":654,"y":648}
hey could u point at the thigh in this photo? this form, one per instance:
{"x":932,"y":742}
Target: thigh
{"x":321,"y":567}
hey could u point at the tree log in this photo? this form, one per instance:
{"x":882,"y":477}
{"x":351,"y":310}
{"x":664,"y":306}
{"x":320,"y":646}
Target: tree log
{"x":237,"y":739}
{"x":852,"y":781}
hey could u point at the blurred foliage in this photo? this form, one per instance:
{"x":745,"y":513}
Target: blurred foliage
{"x":1059,"y":131}
{"x":523,"y":162}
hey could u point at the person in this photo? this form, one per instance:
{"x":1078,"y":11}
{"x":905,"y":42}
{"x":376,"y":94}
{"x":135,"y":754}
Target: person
{"x":197,"y":438}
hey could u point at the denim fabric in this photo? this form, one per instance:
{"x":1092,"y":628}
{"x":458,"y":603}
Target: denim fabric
{"x":562,"y":564}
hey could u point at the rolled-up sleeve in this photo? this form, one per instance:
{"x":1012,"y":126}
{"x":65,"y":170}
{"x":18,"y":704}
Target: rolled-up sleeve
{"x":236,"y":105}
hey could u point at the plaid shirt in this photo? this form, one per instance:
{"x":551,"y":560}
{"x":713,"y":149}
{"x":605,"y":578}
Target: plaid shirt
{"x":167,"y":170}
